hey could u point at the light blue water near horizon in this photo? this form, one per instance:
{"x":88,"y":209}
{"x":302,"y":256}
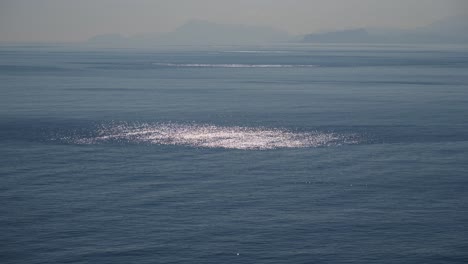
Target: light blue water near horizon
{"x":264,"y":154}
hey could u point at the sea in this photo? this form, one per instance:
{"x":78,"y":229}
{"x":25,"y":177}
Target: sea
{"x":286,"y":153}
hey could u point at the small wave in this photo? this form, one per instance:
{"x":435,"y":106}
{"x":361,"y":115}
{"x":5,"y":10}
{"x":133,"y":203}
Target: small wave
{"x":201,"y":65}
{"x":211,"y":136}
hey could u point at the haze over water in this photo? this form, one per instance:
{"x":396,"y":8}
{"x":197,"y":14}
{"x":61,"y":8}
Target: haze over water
{"x":216,"y":131}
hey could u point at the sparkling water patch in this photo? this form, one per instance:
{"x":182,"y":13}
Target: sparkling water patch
{"x":212,"y":136}
{"x":204,"y":65}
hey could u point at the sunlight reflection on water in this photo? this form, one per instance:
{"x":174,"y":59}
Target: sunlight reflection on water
{"x":212,"y":136}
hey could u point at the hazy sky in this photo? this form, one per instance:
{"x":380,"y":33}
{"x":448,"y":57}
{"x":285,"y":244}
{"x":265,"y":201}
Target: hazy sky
{"x":77,"y":20}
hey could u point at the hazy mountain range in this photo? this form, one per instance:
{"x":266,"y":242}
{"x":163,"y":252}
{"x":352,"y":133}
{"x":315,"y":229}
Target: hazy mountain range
{"x":199,"y":32}
{"x":450,"y":30}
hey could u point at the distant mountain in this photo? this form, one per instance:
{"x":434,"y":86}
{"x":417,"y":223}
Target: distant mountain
{"x":352,"y":35}
{"x":453,"y":25}
{"x":199,"y":32}
{"x":204,"y":32}
{"x":449,"y":30}
{"x":107,"y":38}
{"x":454,"y":29}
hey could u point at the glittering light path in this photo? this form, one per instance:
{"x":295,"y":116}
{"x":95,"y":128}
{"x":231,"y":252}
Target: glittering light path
{"x":211,"y":136}
{"x":202,"y":65}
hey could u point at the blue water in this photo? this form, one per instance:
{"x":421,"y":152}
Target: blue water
{"x":281,"y":154}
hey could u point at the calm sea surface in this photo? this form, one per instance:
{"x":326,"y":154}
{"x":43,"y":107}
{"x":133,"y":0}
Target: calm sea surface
{"x":284,"y":154}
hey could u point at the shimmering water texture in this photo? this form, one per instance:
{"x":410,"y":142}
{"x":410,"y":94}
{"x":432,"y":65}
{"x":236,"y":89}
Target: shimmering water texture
{"x":212,"y":136}
{"x":204,"y":65}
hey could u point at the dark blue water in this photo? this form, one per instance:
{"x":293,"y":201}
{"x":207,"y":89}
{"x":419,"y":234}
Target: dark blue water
{"x":333,"y":154}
